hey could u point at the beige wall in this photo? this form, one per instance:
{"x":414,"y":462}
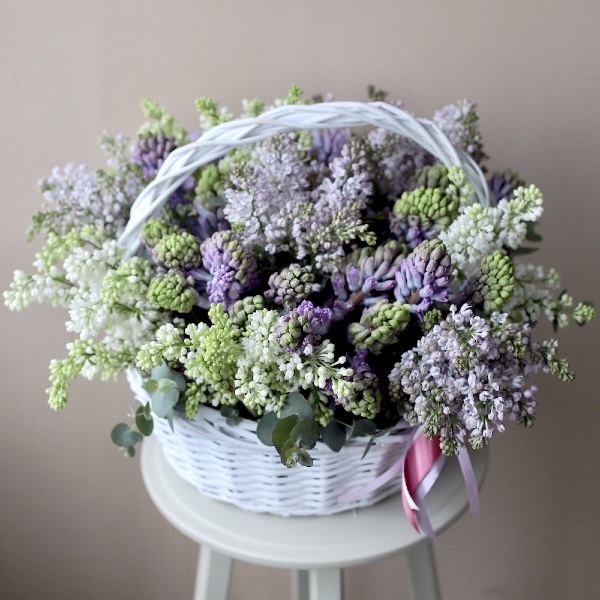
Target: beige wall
{"x":75,"y":521}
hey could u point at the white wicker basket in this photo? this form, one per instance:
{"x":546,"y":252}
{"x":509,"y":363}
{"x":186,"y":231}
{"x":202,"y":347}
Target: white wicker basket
{"x":230,"y":463}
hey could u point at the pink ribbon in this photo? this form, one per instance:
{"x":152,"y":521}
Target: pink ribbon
{"x":423,"y":463}
{"x":419,"y":467}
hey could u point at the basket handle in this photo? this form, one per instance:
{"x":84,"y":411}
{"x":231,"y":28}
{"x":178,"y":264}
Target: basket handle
{"x":218,"y":141}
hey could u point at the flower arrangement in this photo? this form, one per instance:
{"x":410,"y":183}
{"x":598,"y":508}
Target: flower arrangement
{"x":326,"y":283}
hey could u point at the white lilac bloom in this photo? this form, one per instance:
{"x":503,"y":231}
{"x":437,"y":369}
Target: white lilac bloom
{"x":479,"y":231}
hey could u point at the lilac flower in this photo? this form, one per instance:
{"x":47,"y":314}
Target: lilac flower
{"x":77,"y":197}
{"x":460,"y":122}
{"x":267,"y":198}
{"x":466,"y":377}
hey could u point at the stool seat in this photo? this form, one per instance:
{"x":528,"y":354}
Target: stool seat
{"x":317,"y":543}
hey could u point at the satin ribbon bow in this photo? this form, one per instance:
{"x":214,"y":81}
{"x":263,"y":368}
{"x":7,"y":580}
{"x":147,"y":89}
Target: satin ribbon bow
{"x":419,"y":467}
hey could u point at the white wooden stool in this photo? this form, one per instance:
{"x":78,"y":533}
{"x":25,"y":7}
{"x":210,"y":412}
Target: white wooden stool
{"x":314,"y":548}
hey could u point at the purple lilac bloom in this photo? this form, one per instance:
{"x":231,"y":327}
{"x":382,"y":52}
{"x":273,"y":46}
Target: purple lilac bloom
{"x":466,"y":377}
{"x":76,"y":196}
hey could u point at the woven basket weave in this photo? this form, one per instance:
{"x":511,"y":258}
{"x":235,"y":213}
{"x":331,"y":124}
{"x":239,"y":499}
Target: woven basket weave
{"x":229,"y":463}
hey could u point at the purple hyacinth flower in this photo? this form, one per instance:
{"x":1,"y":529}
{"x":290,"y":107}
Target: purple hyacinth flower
{"x":503,"y":183}
{"x":304,"y":326}
{"x":232,"y":266}
{"x":424,"y":277}
{"x":327,"y":144}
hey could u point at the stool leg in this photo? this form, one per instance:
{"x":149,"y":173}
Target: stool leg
{"x":325,"y":584}
{"x":421,"y":570}
{"x":212,"y":577}
{"x":300,"y":585}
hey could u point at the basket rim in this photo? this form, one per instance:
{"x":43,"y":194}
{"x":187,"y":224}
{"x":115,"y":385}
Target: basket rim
{"x":210,"y":415}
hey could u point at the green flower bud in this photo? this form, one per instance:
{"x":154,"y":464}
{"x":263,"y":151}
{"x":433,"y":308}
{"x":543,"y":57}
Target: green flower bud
{"x":584,"y":312}
{"x":431,"y":205}
{"x":179,"y":250}
{"x":172,"y":291}
{"x":379,"y":326}
{"x":240,"y":310}
{"x":154,"y":230}
{"x":497,"y":280}
{"x":291,"y":285}
{"x":434,"y":176}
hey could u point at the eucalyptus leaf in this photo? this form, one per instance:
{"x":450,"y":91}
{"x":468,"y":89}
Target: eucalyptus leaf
{"x":333,"y":435}
{"x":282,"y":430}
{"x":363,"y":427}
{"x":231,"y":415}
{"x":151,"y":385}
{"x":144,"y":423}
{"x":163,"y":402}
{"x":179,"y":380}
{"x":167,"y":385}
{"x":305,"y":434}
{"x":169,"y":419}
{"x":368,"y":446}
{"x":304,"y":458}
{"x":264,"y":428}
{"x":297,"y":404}
{"x":290,"y":457}
{"x":161,"y":372}
{"x":122,"y":435}
{"x":131,"y":451}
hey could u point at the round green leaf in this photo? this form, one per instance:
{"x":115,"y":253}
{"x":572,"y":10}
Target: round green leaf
{"x":167,"y":385}
{"x":179,"y":380}
{"x":304,"y":458}
{"x":264,"y":428}
{"x":151,"y":385}
{"x":290,"y":457}
{"x":164,"y":401}
{"x":144,"y":423}
{"x":281,"y":431}
{"x":305,"y":434}
{"x":123,"y":436}
{"x":161,"y":372}
{"x":297,"y":404}
{"x":334,"y":436}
